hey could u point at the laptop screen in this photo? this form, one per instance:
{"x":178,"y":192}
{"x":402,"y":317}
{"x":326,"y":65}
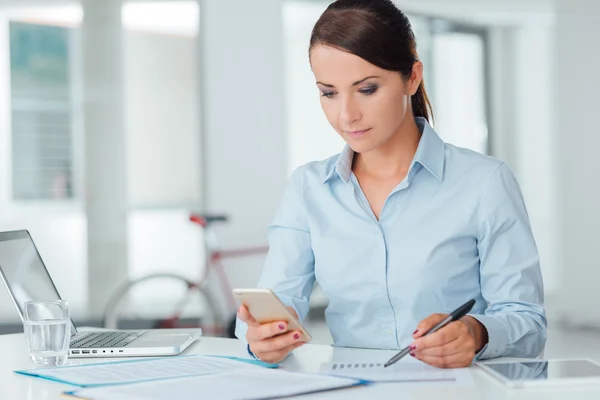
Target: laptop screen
{"x":24,"y":272}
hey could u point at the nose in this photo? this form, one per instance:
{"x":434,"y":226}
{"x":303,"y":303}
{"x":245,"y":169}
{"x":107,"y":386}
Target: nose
{"x":349,"y":111}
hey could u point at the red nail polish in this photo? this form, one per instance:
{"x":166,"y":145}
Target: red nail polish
{"x":415,"y":331}
{"x":296,"y":336}
{"x":281,"y":327}
{"x":412,"y":354}
{"x":412,"y":347}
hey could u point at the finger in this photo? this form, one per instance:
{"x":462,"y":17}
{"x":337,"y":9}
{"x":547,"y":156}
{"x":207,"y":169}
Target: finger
{"x":245,"y":316}
{"x":445,"y":335}
{"x":277,"y":356}
{"x":458,"y":360}
{"x":458,"y":345}
{"x":265,"y":331}
{"x":275,"y":344}
{"x":428,"y":323}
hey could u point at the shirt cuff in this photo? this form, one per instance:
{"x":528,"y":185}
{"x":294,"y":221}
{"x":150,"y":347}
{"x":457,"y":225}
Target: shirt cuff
{"x":497,"y":337}
{"x":250,"y":352}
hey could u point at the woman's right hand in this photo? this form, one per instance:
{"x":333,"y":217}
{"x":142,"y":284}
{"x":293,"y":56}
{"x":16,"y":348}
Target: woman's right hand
{"x":270,"y":342}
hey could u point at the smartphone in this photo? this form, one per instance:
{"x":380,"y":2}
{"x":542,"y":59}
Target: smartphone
{"x":266,"y":307}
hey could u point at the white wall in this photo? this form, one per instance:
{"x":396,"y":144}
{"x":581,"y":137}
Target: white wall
{"x":459,"y":103}
{"x":576,"y":159}
{"x":534,"y":132}
{"x":522,"y":89}
{"x":163,"y":133}
{"x":524,"y":131}
{"x":105,"y":155}
{"x":503,"y":67}
{"x":243,"y":114}
{"x":163,"y":154}
{"x":243,"y":121}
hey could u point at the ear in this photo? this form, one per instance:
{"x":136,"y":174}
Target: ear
{"x":416,"y":76}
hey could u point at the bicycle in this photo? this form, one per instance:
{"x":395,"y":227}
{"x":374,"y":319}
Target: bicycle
{"x":221,"y":323}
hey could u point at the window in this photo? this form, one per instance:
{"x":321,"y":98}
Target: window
{"x":458,"y":84}
{"x":42,"y":134}
{"x":310,"y":137}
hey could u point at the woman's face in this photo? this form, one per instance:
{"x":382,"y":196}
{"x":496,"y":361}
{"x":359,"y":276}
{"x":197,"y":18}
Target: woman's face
{"x":365,"y":104}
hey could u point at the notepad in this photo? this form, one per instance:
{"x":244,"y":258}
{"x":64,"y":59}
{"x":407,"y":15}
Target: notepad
{"x":251,"y":384}
{"x":141,"y":370}
{"x":409,"y":371}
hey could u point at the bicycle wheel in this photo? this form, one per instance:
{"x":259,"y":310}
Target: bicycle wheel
{"x":191,"y":294}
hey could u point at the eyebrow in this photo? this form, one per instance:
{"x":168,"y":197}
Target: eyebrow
{"x":354,"y":84}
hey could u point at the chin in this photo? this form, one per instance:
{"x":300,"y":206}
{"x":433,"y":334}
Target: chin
{"x":361,"y":147}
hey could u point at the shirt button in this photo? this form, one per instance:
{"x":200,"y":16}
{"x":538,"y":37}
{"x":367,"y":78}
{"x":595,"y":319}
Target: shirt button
{"x":390,"y":332}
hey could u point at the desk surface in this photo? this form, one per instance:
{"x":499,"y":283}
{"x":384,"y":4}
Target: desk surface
{"x":13,"y":355}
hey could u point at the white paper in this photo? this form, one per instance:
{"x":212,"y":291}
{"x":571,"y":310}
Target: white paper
{"x":235,"y":385}
{"x":142,"y":370}
{"x":407,"y":371}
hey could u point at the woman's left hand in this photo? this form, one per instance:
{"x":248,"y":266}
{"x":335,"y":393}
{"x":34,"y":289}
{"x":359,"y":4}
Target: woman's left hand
{"x":453,"y":346}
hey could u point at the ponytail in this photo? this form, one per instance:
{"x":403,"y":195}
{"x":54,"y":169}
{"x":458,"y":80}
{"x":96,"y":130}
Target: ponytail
{"x":421,"y":105}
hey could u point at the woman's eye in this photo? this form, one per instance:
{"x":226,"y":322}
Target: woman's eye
{"x":369,"y":90}
{"x":327,"y":94}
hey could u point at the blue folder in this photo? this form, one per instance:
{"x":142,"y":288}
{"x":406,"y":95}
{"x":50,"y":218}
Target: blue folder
{"x":39,"y":373}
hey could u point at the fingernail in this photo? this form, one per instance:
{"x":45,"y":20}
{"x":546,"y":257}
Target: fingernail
{"x":412,"y":354}
{"x":296,"y":336}
{"x":412,"y":347}
{"x":415,"y":332}
{"x":281,"y":327}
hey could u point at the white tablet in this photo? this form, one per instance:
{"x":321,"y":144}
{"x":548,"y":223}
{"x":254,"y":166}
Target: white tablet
{"x":544,"y":372}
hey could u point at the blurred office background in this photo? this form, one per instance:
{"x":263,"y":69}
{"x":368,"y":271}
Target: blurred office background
{"x":119,"y":118}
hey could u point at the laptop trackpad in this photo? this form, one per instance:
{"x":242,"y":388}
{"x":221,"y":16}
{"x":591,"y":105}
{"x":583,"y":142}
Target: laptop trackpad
{"x":160,"y":339}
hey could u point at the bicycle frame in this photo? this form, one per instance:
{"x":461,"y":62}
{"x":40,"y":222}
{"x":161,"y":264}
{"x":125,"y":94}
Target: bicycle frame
{"x":214,"y":257}
{"x":213,"y":260}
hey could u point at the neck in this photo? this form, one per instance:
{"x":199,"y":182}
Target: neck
{"x":392,"y":159}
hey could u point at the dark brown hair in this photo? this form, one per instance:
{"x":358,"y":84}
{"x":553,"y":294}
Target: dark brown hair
{"x":378,"y":32}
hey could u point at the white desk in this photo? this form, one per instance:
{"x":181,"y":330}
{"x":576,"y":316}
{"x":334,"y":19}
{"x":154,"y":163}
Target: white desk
{"x":13,"y":355}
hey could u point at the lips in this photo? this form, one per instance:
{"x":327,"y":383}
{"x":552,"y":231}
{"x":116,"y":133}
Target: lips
{"x":357,"y":133}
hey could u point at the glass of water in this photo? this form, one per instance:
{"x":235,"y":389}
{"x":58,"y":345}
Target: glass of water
{"x":47,"y":328}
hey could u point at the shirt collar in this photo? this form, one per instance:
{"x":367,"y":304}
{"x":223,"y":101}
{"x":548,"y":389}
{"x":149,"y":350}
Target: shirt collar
{"x":342,"y":166}
{"x":431,"y":150}
{"x":429,"y":154}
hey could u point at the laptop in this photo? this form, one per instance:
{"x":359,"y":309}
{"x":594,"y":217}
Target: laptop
{"x":26,"y":278}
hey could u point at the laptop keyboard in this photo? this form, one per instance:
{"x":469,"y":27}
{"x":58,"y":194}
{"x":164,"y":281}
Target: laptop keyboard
{"x":104,"y":340}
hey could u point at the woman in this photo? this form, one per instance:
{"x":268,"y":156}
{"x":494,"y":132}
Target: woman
{"x":400,"y":227}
